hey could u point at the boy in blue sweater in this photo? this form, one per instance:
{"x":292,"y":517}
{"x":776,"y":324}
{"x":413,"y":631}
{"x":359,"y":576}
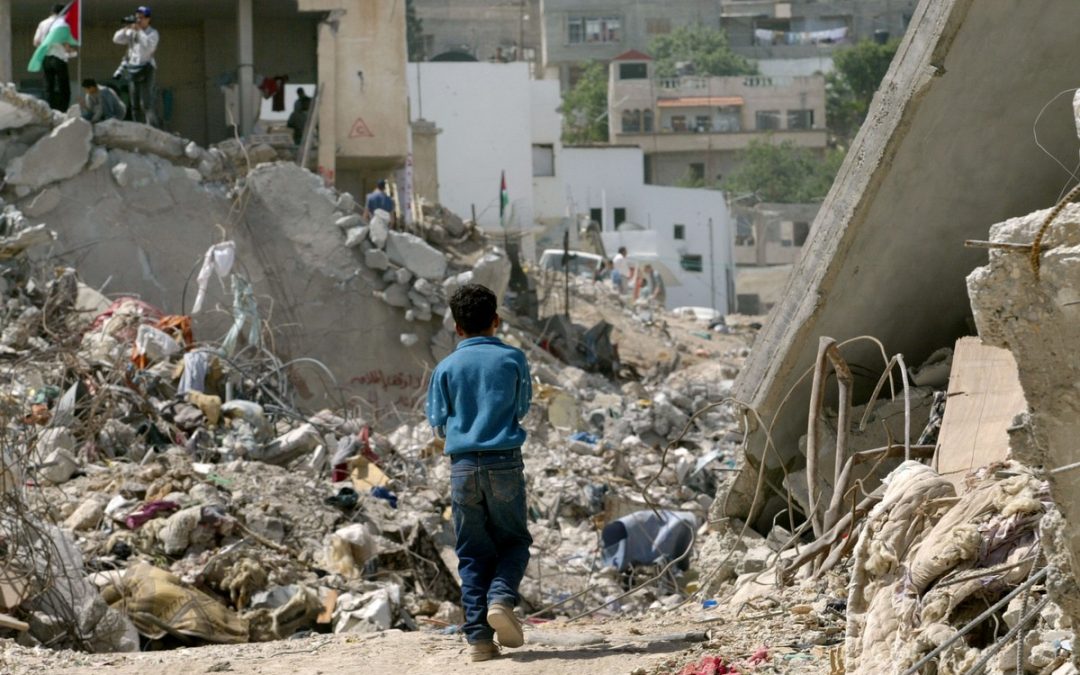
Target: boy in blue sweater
{"x":476,"y":399}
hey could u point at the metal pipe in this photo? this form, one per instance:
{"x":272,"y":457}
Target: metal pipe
{"x":977,"y":620}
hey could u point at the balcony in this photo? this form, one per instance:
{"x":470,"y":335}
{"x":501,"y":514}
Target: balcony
{"x":695,"y":141}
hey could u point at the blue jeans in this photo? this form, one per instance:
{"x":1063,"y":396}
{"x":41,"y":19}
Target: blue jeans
{"x":488,"y":493}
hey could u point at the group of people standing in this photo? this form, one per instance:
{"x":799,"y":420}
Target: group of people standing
{"x":644,"y":283}
{"x":55,"y":46}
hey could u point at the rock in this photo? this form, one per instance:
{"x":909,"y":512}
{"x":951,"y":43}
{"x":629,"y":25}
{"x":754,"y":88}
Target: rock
{"x":261,"y":153}
{"x":135,"y":172}
{"x":18,"y":110}
{"x":402,"y":276}
{"x":415,"y":254}
{"x":493,"y":271}
{"x":409,"y":339}
{"x":346,"y":203}
{"x":45,"y":201}
{"x":60,"y":155}
{"x":425,"y":288}
{"x":356,"y":236}
{"x":376,"y":259}
{"x":452,"y":223}
{"x":98,"y":157}
{"x":140,"y":138}
{"x":380,"y":228}
{"x":349,"y":222}
{"x":88,"y":516}
{"x":395,"y":295}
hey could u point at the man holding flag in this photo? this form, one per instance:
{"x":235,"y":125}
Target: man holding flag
{"x":55,"y":42}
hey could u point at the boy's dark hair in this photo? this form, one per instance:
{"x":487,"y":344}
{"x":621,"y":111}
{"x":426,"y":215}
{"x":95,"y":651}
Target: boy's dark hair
{"x":89,"y":83}
{"x":474,"y":308}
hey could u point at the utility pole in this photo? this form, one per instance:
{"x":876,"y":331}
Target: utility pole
{"x":566,"y":270}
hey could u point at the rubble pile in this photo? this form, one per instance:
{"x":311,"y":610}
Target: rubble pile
{"x":181,"y":485}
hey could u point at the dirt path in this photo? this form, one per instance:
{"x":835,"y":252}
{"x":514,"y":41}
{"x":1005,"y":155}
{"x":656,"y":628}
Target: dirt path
{"x":649,"y":646}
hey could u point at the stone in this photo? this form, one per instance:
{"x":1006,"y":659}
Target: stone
{"x":402,"y":276}
{"x":98,"y":157}
{"x":43,"y":202}
{"x":395,"y":295}
{"x":346,"y":203}
{"x":135,"y":172}
{"x":60,"y":155}
{"x":136,"y":137}
{"x":452,"y":223}
{"x":356,"y":236}
{"x":493,"y":271}
{"x":376,"y":259}
{"x":412,"y":252}
{"x":18,"y":110}
{"x":88,"y":516}
{"x":380,"y":228}
{"x":261,"y":153}
{"x":409,"y":339}
{"x":425,"y":288}
{"x":349,"y":222}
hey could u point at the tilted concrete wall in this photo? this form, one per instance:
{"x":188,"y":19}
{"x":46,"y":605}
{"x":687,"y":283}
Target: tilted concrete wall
{"x":946,"y":150}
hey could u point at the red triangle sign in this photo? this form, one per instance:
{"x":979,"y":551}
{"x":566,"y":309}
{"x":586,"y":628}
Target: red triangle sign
{"x":360,"y":129}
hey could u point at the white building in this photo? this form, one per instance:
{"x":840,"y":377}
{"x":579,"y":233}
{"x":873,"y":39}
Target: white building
{"x":687,"y":231}
{"x":494,"y":118}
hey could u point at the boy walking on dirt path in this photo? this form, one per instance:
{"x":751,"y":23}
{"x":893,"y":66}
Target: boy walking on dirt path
{"x":476,"y":399}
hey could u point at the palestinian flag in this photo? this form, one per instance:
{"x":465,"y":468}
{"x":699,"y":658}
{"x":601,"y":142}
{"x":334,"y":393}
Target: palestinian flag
{"x":73,"y":14}
{"x":504,"y":200}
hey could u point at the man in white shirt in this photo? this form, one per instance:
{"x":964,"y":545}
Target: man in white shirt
{"x":55,"y":68}
{"x":620,"y":273}
{"x":138,"y":68}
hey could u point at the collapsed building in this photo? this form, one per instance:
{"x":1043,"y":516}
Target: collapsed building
{"x":213,"y":367}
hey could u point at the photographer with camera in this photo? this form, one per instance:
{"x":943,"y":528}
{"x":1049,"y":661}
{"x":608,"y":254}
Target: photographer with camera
{"x":138,"y":67}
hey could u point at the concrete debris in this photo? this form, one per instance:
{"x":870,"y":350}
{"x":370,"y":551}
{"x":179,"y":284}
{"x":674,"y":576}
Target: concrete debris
{"x":17,"y":110}
{"x":229,"y":491}
{"x":62,"y":154}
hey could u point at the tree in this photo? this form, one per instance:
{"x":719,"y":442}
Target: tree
{"x":849,"y":89}
{"x":783,"y":173}
{"x":414,"y":32}
{"x":706,"y":48}
{"x":584,"y":108}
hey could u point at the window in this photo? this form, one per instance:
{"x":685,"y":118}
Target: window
{"x":647,"y":121}
{"x":631,"y":121}
{"x":620,"y":216}
{"x":697,"y":171}
{"x":691,"y":262}
{"x":767,"y":120}
{"x":744,"y":231}
{"x":633,"y":71}
{"x":702,"y":124}
{"x":543,"y":157}
{"x":802,"y":231}
{"x":680,"y":231}
{"x":593,"y":30}
{"x":678,"y":123}
{"x":597,"y":216}
{"x":800,"y":119}
{"x":728,"y":119}
{"x":657,"y":26}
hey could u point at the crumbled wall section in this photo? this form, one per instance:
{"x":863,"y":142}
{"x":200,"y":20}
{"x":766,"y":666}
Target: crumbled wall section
{"x":936,"y":161}
{"x":1039,"y":321}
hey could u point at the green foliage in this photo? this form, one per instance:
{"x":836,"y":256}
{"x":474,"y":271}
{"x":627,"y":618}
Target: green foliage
{"x":851,"y":86}
{"x":584,"y":108}
{"x":414,"y":32}
{"x":783,"y":173}
{"x":707,"y":48}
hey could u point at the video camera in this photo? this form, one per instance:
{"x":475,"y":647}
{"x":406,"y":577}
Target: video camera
{"x":129,"y":19}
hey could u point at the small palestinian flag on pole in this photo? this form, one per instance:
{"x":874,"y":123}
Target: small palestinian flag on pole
{"x":73,"y":14}
{"x":504,"y":199}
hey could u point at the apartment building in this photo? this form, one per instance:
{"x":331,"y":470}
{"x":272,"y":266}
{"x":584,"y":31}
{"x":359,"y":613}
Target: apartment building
{"x":485,"y":30}
{"x":692,"y":129}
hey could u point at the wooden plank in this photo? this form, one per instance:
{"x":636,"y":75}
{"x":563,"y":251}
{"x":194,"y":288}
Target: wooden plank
{"x":983,"y":398}
{"x":7,"y":621}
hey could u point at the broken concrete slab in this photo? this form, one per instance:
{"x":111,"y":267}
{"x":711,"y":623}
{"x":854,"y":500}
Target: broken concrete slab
{"x":415,"y":254}
{"x":62,"y":154}
{"x":43,"y":202}
{"x":18,"y":110}
{"x":376,"y":259}
{"x":140,"y":138}
{"x":842,"y":286}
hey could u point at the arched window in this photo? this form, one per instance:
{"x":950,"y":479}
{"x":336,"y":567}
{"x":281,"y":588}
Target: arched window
{"x":628,"y":121}
{"x":647,"y":121}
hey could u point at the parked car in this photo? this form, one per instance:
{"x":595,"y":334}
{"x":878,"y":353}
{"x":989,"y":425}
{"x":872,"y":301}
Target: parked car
{"x":581,"y":263}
